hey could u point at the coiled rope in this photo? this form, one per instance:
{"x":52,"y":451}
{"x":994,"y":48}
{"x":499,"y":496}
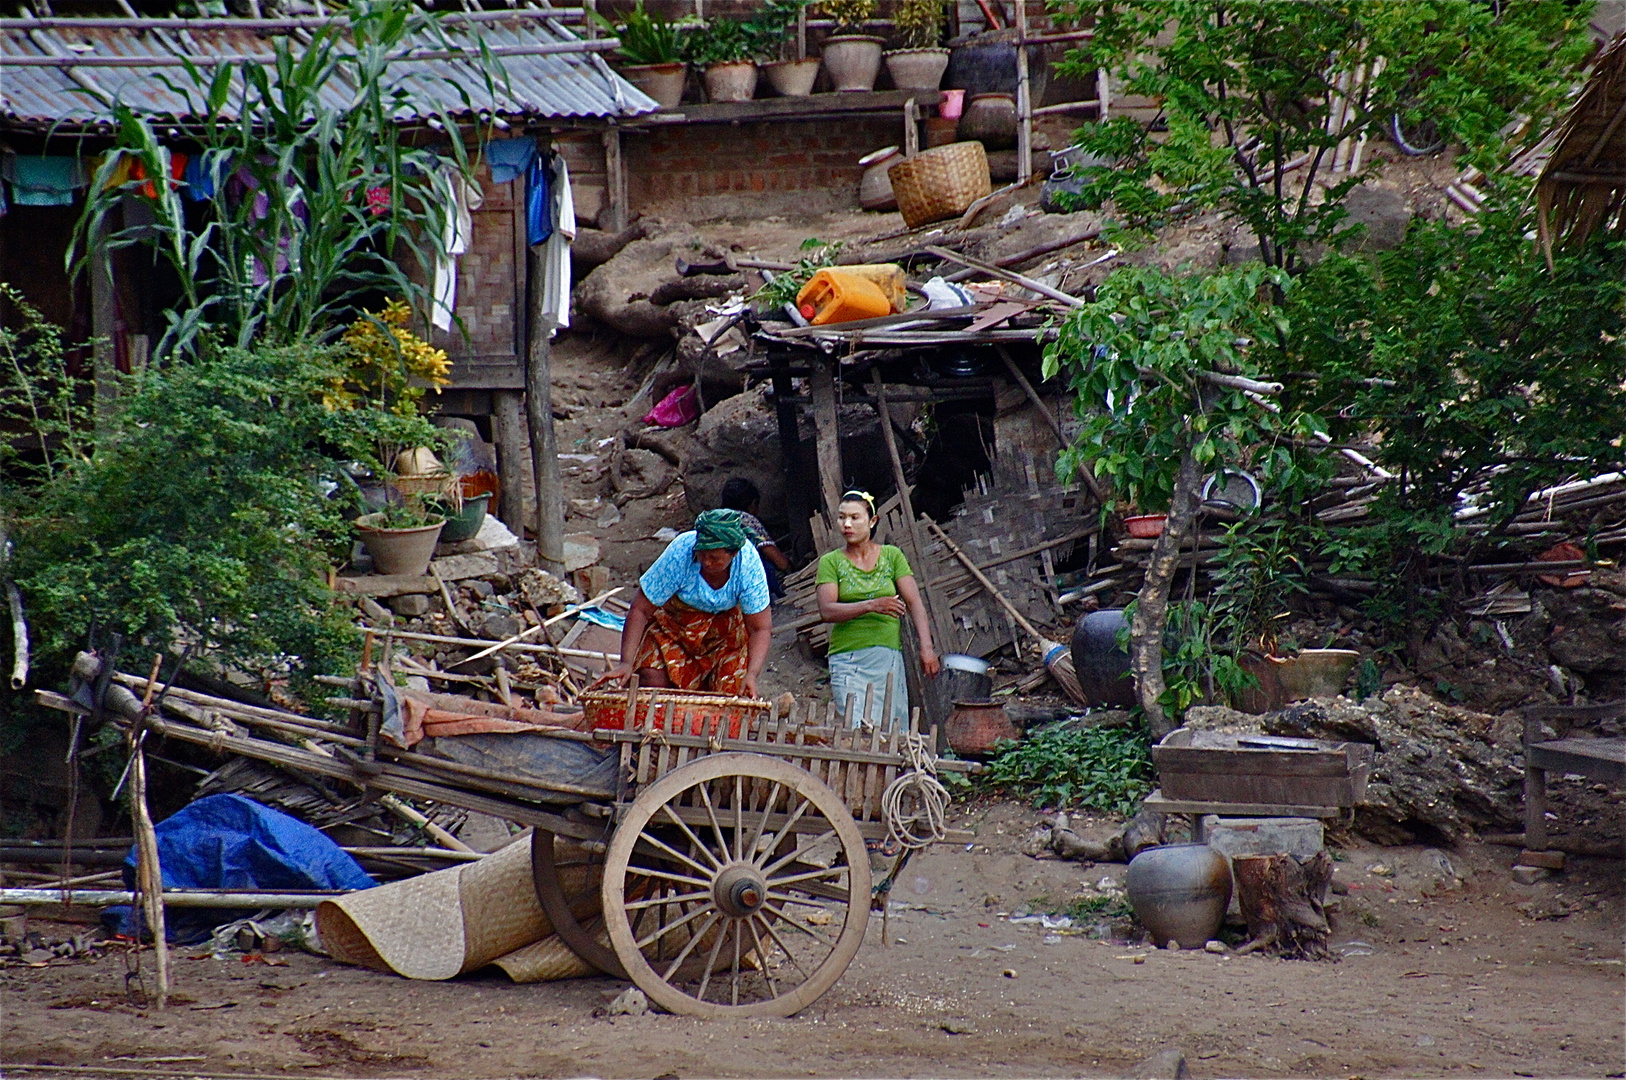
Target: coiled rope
{"x":924,"y":822}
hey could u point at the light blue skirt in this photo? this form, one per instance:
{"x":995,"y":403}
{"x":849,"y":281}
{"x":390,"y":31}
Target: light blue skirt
{"x":861,"y":674}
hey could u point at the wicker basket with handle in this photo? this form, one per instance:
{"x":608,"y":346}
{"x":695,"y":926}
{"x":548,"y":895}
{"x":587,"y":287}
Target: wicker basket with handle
{"x":941,"y":182}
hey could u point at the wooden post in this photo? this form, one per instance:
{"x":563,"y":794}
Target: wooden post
{"x":615,"y":183}
{"x":799,"y":501}
{"x":1024,"y":98}
{"x":1103,"y":94}
{"x":1535,"y":806}
{"x":827,"y":433}
{"x":550,"y":520}
{"x":508,"y":431}
{"x":801,"y":31}
{"x":149,"y":872}
{"x":917,"y":543}
{"x":911,"y":128}
{"x":103,"y":325}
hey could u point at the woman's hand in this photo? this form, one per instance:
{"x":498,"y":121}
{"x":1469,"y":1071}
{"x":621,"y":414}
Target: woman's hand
{"x":929,"y":663}
{"x":618,"y":675}
{"x":887,"y":605}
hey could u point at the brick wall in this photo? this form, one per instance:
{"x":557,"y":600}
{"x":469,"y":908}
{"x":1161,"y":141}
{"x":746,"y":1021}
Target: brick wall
{"x":711,"y":170}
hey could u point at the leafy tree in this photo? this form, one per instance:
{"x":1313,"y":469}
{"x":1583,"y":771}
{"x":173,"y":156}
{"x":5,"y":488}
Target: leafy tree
{"x":1265,"y":79}
{"x":1169,"y":386}
{"x":311,"y":203}
{"x":1479,"y":372}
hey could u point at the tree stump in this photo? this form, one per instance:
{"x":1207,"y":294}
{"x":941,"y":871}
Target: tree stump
{"x":1282,"y":900}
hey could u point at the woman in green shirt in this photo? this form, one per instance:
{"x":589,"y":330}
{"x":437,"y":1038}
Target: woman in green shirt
{"x":864,"y":589}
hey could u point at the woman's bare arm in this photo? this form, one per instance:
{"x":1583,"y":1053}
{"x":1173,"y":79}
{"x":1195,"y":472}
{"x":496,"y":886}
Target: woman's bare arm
{"x":923,"y":627}
{"x":832,"y":610}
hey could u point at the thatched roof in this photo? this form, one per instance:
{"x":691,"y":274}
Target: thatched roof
{"x":1582,"y":189}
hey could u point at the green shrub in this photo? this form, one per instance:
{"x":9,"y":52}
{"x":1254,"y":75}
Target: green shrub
{"x":1106,"y":769}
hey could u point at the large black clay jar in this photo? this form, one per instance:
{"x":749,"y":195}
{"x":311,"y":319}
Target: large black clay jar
{"x":986,"y":64}
{"x":1102,"y":666}
{"x":1180,"y":892}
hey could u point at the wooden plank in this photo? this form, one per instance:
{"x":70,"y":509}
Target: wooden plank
{"x":1282,"y":763}
{"x":508,"y":431}
{"x":827,"y":436}
{"x":1156,"y":801}
{"x":386,"y":585}
{"x":1600,"y":759}
{"x":796,"y":108}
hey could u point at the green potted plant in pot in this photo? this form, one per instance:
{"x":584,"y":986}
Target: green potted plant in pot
{"x":653,"y":49}
{"x":919,"y":62}
{"x":725,"y":49}
{"x":790,"y":74}
{"x":852,"y":57}
{"x":386,"y":371}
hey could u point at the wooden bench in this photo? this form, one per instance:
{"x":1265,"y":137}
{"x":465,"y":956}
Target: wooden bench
{"x":1596,"y":757}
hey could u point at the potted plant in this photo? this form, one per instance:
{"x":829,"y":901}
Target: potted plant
{"x":920,"y":62}
{"x":653,"y":48}
{"x":852,"y":57}
{"x":389,"y":368}
{"x":790,"y":76}
{"x":725,"y":49}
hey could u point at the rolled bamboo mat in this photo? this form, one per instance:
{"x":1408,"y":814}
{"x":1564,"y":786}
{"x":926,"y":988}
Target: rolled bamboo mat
{"x":441,"y":925}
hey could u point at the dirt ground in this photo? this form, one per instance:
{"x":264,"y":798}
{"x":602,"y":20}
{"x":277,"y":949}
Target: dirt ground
{"x":1438,"y":978}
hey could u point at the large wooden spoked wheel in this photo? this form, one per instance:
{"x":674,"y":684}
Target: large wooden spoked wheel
{"x":753,"y":864}
{"x":564,"y":904}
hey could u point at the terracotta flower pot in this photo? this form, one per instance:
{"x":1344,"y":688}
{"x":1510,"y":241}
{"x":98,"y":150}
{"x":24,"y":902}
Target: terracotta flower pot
{"x":1146,"y":526}
{"x":399,"y":551}
{"x":792,"y":78}
{"x":1180,"y":892}
{"x":663,"y":82}
{"x":733,"y":81}
{"x":917,"y":69}
{"x":1315,"y":673}
{"x":975,"y":728}
{"x":853,"y":60}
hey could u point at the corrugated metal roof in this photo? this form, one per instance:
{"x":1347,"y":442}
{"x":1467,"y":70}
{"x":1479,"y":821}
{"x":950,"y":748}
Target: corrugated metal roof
{"x":557,"y":86}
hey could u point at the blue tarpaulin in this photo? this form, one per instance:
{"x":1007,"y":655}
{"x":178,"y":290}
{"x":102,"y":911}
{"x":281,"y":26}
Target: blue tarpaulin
{"x":232,"y":842}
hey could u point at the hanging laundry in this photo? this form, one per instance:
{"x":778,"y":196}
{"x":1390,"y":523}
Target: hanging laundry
{"x":556,"y":251}
{"x":42,"y":181}
{"x":538,"y":202}
{"x":202,"y":174}
{"x":510,"y":158}
{"x":456,"y":234}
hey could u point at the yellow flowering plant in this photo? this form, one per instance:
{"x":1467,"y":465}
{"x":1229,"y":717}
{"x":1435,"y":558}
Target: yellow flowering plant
{"x":387,"y":364}
{"x":385,"y":370}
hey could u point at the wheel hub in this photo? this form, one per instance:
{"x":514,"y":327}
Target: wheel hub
{"x":739,"y":890}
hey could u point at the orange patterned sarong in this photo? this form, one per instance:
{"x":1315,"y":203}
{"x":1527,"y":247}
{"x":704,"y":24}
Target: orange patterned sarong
{"x":697,"y":649}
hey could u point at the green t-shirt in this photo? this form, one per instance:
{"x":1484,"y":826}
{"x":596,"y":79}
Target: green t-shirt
{"x":854,"y":585}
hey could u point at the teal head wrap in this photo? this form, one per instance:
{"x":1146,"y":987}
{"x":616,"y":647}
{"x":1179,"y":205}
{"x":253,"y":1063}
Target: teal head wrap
{"x":719,"y":529}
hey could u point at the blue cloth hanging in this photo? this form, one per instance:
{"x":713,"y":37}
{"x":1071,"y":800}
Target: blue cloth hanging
{"x":538,"y":201}
{"x":509,"y":158}
{"x":44,"y":181}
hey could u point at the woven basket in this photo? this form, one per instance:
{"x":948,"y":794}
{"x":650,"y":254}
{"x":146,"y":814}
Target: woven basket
{"x":683,"y":712}
{"x":940,"y":183}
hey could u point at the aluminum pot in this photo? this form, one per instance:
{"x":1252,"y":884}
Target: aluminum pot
{"x":1180,"y":892}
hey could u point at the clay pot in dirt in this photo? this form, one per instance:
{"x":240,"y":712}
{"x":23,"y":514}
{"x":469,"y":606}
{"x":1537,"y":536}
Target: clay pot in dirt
{"x":1101,"y":664}
{"x":398,"y":551}
{"x":975,"y":728}
{"x":792,"y":78}
{"x":853,"y":60}
{"x":663,"y":82}
{"x":991,"y":120}
{"x":735,"y":80}
{"x":1316,"y":673}
{"x":874,"y":188}
{"x":916,"y":69}
{"x":1179,"y":892}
